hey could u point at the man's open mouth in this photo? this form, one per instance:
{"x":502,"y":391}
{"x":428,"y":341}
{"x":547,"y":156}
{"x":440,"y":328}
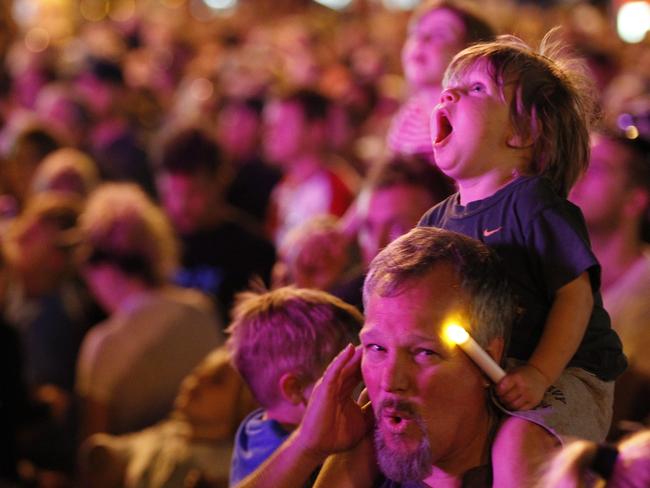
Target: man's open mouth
{"x":443,"y":127}
{"x":397,"y":421}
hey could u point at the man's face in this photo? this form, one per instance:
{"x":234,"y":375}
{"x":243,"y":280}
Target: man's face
{"x":187,"y":199}
{"x":428,"y":398}
{"x":31,"y":246}
{"x":392,"y":212}
{"x":237,"y":130}
{"x":284,"y":128}
{"x":602,"y":191}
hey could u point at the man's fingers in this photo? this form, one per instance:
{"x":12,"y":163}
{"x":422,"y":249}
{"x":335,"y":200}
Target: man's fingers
{"x":337,"y":365}
{"x":351,"y":371}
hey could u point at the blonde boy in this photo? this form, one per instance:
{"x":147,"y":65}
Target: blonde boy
{"x":281,"y":341}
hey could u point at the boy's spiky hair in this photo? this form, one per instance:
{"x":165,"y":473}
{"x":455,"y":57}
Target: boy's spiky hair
{"x":288,"y":329}
{"x":553,"y":104}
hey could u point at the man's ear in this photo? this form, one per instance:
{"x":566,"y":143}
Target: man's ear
{"x":291,"y":388}
{"x":496,"y":348}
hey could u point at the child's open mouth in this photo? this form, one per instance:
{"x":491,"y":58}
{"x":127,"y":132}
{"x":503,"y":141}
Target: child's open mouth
{"x":443,"y":127}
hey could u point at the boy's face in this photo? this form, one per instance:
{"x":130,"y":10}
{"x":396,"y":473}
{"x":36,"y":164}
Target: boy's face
{"x":470,"y":127}
{"x":430,"y":45}
{"x":392,"y":212}
{"x":31,"y":246}
{"x":604,"y":190}
{"x":209,"y":394}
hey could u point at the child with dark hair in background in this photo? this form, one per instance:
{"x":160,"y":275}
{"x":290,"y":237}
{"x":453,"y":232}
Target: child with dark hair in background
{"x":511,"y":129}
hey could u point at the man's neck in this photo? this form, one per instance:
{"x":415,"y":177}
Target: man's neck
{"x":617,"y":250}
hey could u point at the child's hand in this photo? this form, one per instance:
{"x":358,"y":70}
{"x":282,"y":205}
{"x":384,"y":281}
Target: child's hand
{"x":522,"y":388}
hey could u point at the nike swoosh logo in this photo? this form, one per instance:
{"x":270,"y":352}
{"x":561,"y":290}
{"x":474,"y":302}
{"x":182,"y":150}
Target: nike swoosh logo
{"x":488,"y":233}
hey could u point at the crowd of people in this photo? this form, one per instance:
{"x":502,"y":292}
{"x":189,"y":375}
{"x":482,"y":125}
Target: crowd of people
{"x":216,"y":233}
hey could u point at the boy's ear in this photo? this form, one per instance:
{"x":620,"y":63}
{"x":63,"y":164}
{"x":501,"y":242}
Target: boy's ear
{"x":518,"y":139}
{"x":291,"y":388}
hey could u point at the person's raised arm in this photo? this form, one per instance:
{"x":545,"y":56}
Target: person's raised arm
{"x":333,"y":422}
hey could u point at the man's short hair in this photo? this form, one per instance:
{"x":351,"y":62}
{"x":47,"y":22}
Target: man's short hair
{"x":288,"y":330}
{"x":315,"y":106}
{"x":415,"y":254}
{"x":191,"y":151}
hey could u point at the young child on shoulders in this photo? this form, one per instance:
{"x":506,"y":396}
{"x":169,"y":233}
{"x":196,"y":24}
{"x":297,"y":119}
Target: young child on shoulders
{"x":512,"y":129}
{"x":281,"y":342}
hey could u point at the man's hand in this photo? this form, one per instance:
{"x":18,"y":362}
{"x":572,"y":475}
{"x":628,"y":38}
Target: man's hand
{"x":522,"y":388}
{"x":333,"y":421}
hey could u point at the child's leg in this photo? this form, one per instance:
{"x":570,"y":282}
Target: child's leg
{"x":519,"y":451}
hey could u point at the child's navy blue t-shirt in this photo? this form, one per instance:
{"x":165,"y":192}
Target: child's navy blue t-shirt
{"x":543,"y":243}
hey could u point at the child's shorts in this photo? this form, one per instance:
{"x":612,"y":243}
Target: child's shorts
{"x":577,"y":405}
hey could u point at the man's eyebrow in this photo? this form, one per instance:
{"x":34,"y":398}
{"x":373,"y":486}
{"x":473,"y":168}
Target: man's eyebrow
{"x":370,"y":334}
{"x":436,"y":339}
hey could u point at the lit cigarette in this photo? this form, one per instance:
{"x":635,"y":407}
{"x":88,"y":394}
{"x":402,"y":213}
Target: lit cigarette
{"x":457,"y":335}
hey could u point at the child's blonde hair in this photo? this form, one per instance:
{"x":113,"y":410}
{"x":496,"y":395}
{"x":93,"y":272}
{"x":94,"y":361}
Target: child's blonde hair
{"x":68,"y":167}
{"x":123,"y":227}
{"x":552,"y":106}
{"x":288,"y":330}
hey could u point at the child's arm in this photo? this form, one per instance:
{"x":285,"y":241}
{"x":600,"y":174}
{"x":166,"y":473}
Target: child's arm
{"x":523,"y":387}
